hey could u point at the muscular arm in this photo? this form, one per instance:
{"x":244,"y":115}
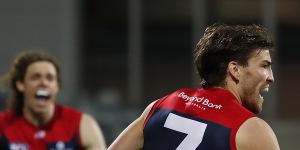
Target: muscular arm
{"x":90,"y":133}
{"x":132,"y":138}
{"x":256,"y":134}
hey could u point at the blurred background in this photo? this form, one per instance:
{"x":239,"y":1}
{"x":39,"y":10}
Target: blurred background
{"x":117,"y":56}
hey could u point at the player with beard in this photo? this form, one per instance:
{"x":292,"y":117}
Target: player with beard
{"x":33,"y":120}
{"x":234,"y":66}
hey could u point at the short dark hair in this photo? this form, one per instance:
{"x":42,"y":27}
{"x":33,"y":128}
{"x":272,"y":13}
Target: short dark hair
{"x":223,"y":43}
{"x":17,"y":73}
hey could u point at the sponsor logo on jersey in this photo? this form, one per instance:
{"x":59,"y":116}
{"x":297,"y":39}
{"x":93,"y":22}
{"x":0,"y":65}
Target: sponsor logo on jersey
{"x":60,"y":145}
{"x":200,"y":102}
{"x":18,"y":146}
{"x":40,"y":134}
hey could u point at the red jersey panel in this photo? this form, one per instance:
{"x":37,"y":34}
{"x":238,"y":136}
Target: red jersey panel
{"x":195,"y":119}
{"x":61,"y":133}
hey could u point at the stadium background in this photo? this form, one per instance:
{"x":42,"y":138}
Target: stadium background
{"x":119,"y":55}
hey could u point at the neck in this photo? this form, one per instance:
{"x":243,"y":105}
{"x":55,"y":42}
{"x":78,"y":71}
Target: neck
{"x":39,"y":118}
{"x":232,"y":87}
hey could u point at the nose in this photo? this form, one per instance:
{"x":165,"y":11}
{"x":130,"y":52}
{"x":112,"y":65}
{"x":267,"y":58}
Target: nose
{"x":44,"y":82}
{"x":270,"y":77}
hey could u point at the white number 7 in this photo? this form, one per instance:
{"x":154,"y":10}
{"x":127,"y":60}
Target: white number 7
{"x":194,"y":130}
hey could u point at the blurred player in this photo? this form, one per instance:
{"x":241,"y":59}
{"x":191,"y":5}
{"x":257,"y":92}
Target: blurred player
{"x":234,"y":65}
{"x":33,"y":120}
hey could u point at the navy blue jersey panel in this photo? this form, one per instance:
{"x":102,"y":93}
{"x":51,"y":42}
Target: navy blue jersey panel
{"x":4,"y":143}
{"x":158,"y":137}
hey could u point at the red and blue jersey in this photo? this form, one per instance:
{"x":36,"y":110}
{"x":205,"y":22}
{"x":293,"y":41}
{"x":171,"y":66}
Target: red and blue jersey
{"x":61,"y":133}
{"x":195,"y":119}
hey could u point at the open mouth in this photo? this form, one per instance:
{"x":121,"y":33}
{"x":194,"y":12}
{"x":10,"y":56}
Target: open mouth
{"x":42,"y":94}
{"x":263,"y":92}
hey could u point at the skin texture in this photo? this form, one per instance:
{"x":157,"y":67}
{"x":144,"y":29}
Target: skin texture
{"x":42,"y":75}
{"x":246,"y":83}
{"x":39,"y":75}
{"x":255,"y":78}
{"x":132,"y":137}
{"x":256,"y":134}
{"x":91,"y":135}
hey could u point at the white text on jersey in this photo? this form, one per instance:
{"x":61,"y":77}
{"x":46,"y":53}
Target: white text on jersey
{"x":204,"y":101}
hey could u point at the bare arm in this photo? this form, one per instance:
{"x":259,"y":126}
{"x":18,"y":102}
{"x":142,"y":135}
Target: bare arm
{"x":256,"y":134}
{"x":132,"y":138}
{"x":91,"y":134}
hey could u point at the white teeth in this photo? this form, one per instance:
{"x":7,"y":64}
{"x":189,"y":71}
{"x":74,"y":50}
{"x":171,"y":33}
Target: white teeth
{"x":265,"y":90}
{"x":42,"y":92}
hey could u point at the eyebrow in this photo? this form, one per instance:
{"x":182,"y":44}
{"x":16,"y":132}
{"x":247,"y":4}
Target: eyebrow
{"x":268,"y":62}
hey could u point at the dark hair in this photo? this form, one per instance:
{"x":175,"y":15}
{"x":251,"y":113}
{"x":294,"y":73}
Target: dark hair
{"x":17,"y":73}
{"x":223,"y":43}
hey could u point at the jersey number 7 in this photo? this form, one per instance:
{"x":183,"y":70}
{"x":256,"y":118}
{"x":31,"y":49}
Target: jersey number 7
{"x":194,"y":130}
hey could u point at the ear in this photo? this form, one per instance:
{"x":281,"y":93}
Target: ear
{"x":20,"y":86}
{"x":234,"y":70}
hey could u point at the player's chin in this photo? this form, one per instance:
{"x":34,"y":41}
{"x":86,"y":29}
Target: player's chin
{"x":256,"y":107}
{"x":40,"y":110}
{"x":259,"y":108}
{"x":256,"y":110}
{"x":42,"y":105}
{"x":259,"y":104}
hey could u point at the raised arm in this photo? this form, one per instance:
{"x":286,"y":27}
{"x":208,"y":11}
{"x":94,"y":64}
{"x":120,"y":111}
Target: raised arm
{"x":256,"y":134}
{"x":132,"y":138}
{"x":91,"y":134}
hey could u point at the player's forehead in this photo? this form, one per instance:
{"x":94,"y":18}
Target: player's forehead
{"x":41,"y":67}
{"x":260,"y":55}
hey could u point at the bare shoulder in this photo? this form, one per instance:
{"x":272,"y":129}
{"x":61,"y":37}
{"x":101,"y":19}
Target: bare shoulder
{"x":256,"y":134}
{"x":91,"y":134}
{"x":88,"y":117}
{"x":132,"y":137}
{"x":147,"y":110}
{"x":87,"y":121}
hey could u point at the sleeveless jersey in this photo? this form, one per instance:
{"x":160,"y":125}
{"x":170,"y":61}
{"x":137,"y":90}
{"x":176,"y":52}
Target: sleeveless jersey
{"x":195,"y":119}
{"x":61,"y":133}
